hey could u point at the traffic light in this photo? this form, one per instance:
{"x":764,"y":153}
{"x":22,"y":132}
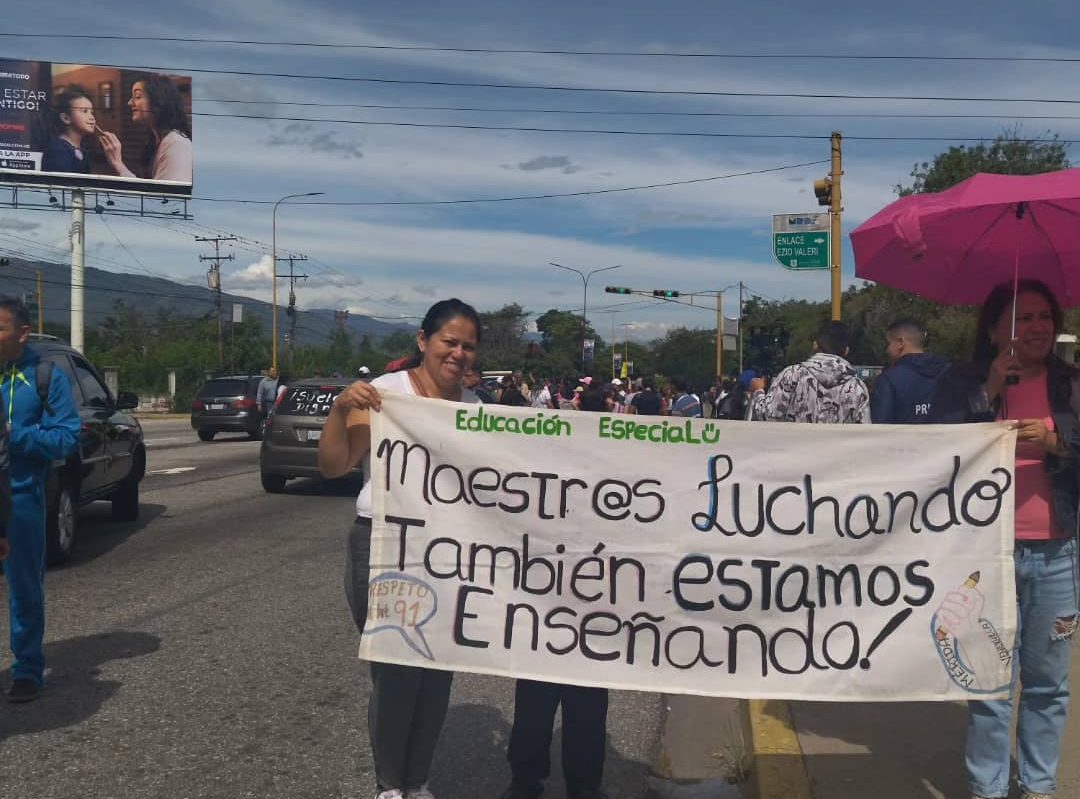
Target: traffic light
{"x":4,"y":261}
{"x":664,"y":293}
{"x":618,"y":290}
{"x":823,"y":191}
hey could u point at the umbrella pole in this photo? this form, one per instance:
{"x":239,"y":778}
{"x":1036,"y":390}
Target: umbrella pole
{"x":1020,"y":208}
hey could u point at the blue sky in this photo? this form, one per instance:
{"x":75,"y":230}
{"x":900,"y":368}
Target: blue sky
{"x":393,"y":261}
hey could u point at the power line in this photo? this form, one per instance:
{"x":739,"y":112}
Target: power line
{"x":584,"y":193}
{"x":589,"y":89}
{"x":554,"y":51}
{"x":635,"y":112}
{"x":699,"y":134}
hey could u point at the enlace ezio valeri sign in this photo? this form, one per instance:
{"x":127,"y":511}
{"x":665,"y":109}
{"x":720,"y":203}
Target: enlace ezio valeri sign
{"x":693,"y":556}
{"x":801,"y":241}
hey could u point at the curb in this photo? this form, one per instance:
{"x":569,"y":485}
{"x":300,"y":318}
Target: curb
{"x":779,"y":769}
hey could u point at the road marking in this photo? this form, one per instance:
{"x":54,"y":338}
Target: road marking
{"x":779,"y":766}
{"x":174,"y":470}
{"x":157,"y":442}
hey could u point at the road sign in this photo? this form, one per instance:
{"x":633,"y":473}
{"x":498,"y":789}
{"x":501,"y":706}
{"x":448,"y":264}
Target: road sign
{"x":801,"y":241}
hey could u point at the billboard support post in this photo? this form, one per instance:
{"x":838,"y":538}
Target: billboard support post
{"x":78,"y":252}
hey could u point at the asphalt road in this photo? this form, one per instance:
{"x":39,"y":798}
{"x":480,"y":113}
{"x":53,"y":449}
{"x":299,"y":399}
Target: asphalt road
{"x":206,"y":651}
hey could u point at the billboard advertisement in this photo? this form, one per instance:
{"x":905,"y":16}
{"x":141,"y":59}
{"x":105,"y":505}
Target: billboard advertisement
{"x":96,"y":127}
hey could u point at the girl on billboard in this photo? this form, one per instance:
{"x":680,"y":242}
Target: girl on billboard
{"x":156,"y":105}
{"x":73,"y":120}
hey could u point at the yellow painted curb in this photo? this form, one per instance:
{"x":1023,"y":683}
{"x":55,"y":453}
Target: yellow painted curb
{"x":779,"y":771}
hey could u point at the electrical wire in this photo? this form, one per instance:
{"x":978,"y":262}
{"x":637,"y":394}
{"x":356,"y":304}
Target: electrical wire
{"x":586,"y":89}
{"x":554,"y":51}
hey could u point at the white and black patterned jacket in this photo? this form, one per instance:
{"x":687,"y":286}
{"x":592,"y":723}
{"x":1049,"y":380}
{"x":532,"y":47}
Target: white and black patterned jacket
{"x":822,"y":389}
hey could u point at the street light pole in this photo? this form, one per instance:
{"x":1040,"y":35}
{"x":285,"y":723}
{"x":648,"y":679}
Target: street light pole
{"x":273,"y":290}
{"x":585,"y":298}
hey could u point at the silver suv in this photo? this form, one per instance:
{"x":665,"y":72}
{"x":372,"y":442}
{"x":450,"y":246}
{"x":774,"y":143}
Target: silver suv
{"x":290,"y":446}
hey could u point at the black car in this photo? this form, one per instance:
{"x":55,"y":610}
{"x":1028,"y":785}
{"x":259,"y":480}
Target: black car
{"x":228,"y":404}
{"x":290,"y":446}
{"x":110,"y":461}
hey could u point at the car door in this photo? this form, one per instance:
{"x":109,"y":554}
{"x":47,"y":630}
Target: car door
{"x":96,"y":408}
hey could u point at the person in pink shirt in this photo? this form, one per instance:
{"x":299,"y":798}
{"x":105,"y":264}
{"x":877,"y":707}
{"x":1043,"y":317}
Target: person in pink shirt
{"x":1022,"y":383}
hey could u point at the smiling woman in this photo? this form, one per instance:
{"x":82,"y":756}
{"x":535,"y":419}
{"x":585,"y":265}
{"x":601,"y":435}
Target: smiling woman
{"x":407,"y":704}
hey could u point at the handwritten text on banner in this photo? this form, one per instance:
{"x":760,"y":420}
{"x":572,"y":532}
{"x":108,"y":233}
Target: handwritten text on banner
{"x":692,"y":556}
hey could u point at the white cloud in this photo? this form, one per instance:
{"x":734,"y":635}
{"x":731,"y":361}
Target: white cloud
{"x":258,"y":273}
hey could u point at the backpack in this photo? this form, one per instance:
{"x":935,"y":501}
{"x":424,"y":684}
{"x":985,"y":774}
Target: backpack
{"x":42,"y":379}
{"x":5,"y":473}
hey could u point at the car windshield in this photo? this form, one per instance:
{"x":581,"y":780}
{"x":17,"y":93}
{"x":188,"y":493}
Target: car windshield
{"x":309,"y":400}
{"x":224,"y":388}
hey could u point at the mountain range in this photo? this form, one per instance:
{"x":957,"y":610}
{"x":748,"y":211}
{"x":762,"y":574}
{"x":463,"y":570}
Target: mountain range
{"x":151,"y":294}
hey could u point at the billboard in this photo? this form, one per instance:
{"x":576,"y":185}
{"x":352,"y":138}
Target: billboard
{"x":96,"y":127}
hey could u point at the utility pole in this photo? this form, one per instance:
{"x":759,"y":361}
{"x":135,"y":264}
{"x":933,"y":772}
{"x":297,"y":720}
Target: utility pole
{"x":40,"y":305}
{"x":213,"y":280}
{"x":827,"y":191}
{"x":291,"y":309}
{"x":740,"y":327}
{"x":720,"y":335}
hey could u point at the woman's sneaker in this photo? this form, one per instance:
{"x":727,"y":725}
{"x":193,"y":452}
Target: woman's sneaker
{"x":423,"y":792}
{"x":392,"y":793}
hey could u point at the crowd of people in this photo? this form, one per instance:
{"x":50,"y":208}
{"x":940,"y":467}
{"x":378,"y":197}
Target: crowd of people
{"x":1013,"y":377}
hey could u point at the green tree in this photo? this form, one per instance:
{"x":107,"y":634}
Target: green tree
{"x":1008,"y":154}
{"x":503,"y":343}
{"x":687,"y":354}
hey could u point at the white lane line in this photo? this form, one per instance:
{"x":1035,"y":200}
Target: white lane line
{"x":174,"y":470}
{"x":157,"y":442}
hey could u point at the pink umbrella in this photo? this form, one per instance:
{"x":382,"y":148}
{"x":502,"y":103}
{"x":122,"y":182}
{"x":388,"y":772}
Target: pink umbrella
{"x":956,"y":245}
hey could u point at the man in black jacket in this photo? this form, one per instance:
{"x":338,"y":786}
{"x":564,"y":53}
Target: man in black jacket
{"x":904,"y":393}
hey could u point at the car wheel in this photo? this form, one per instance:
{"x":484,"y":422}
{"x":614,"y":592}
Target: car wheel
{"x":61,"y":520}
{"x":125,"y":501}
{"x":205,"y":434}
{"x":272,"y":483}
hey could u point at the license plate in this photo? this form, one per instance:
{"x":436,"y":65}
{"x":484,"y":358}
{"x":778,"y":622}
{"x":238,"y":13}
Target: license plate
{"x":314,"y":435}
{"x":216,"y":406}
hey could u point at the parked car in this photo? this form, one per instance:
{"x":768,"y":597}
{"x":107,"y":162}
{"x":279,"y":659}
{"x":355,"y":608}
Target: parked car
{"x":228,"y":404}
{"x":110,"y":461}
{"x":290,"y":446}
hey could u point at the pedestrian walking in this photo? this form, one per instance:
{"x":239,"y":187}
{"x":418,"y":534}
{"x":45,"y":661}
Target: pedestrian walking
{"x":43,"y":427}
{"x":407,"y":704}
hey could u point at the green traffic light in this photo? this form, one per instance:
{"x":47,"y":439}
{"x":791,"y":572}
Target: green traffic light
{"x":665,"y":293}
{"x":618,"y":290}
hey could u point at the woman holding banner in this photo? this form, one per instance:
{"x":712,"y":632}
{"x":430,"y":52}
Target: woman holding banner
{"x":157,"y":106}
{"x":1022,"y":382}
{"x":407,"y":704}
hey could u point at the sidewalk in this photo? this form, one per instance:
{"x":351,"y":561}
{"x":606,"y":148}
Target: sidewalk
{"x":911,"y":750}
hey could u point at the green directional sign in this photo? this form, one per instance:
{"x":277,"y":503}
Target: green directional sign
{"x":801,"y":241}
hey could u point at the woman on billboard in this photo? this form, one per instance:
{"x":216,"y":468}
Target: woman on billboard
{"x":156,"y":105}
{"x":73,"y":120}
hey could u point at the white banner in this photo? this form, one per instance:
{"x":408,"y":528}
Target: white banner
{"x":693,"y":556}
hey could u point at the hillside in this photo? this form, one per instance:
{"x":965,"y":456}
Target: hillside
{"x":150,"y":294}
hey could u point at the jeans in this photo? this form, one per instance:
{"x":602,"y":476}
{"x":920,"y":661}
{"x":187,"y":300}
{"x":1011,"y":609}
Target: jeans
{"x":1046,"y":611}
{"x":25,"y":572}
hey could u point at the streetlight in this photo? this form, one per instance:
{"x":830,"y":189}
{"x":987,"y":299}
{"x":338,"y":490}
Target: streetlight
{"x":273,"y":292}
{"x":585,"y":297}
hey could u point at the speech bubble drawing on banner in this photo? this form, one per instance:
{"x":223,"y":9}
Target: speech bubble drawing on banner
{"x":404,"y":603}
{"x":972,"y":651}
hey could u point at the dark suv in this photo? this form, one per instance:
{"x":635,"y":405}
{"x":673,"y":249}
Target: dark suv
{"x":290,"y":446}
{"x":110,"y":461}
{"x":228,"y":404}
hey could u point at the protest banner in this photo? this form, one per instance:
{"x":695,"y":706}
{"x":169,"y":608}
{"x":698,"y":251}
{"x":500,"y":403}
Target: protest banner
{"x":693,"y":556}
